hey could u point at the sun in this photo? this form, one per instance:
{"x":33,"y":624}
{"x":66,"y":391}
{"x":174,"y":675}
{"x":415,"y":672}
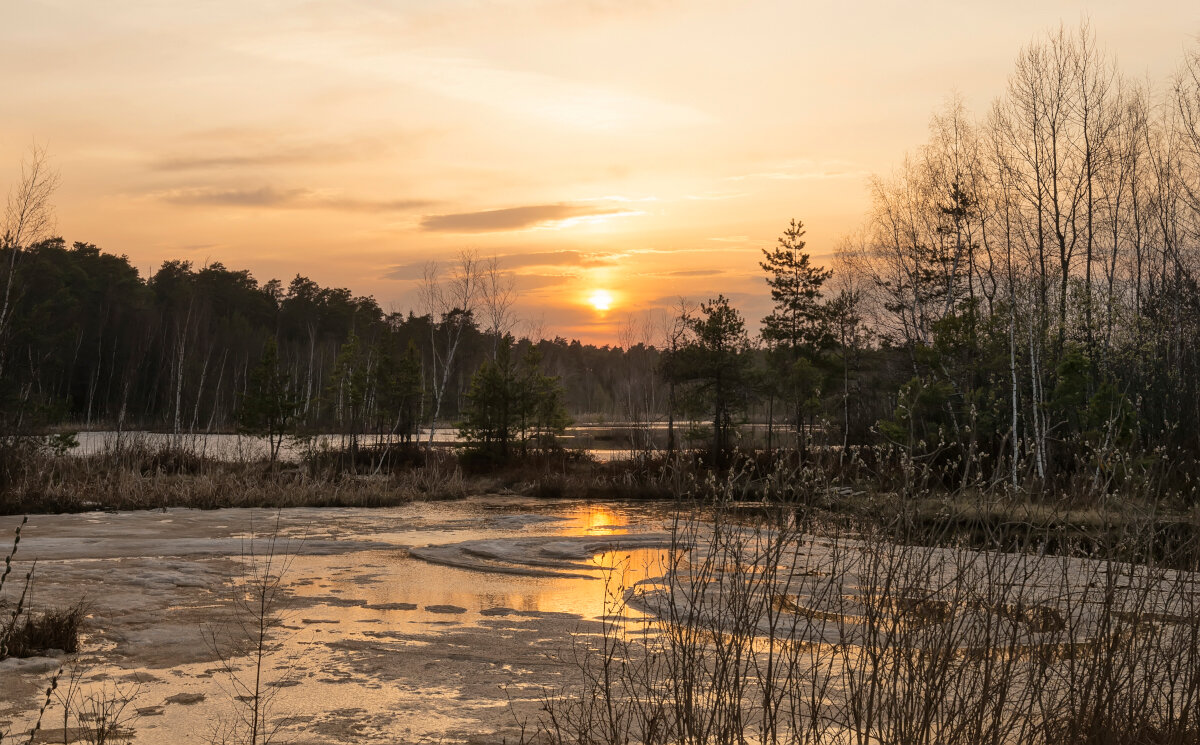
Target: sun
{"x":601,"y":300}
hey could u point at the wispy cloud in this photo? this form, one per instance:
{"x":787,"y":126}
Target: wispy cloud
{"x":802,"y":175}
{"x":557,"y":258}
{"x":746,"y":302}
{"x":572,"y":259}
{"x":693,"y":273}
{"x":232,"y":149}
{"x":716,"y":196}
{"x":270,"y":197}
{"x":514,"y":218}
{"x":230,"y":160}
{"x":528,"y":282}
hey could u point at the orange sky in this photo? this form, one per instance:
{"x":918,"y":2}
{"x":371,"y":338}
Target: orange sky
{"x":648,"y":148}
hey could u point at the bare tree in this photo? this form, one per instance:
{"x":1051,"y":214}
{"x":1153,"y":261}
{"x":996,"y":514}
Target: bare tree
{"x":675,"y":333}
{"x":498,"y":291}
{"x":451,"y":303}
{"x":638,"y":389}
{"x":253,"y":631}
{"x":1186,"y":91}
{"x":534,"y":328}
{"x":28,"y":218}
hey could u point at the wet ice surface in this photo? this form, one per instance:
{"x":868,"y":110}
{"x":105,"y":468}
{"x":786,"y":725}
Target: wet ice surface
{"x":418,"y":623}
{"x":442,"y":622}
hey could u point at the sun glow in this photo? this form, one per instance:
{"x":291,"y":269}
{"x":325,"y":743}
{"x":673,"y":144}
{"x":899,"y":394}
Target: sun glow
{"x":601,"y":300}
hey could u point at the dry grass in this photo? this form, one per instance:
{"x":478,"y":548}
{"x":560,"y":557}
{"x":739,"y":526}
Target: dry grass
{"x":857,"y":488}
{"x":141,"y":477}
{"x":773,"y":626}
{"x":163,"y":477}
{"x":34,"y":634}
{"x":24,"y":633}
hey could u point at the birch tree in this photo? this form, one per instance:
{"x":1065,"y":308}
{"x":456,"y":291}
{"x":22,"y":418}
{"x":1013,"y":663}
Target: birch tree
{"x":28,"y":219}
{"x":450,"y":298}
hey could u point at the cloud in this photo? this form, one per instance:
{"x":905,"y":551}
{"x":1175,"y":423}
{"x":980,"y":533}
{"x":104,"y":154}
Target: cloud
{"x":240,"y":149}
{"x":265,"y":196}
{"x":747,"y":303}
{"x":513,"y":218}
{"x":694,"y":273}
{"x":206,"y":162}
{"x":716,"y":196}
{"x":680,"y":253}
{"x":573,"y":259}
{"x":556,"y":258}
{"x":527,"y":282}
{"x":350,"y":204}
{"x":270,"y":197}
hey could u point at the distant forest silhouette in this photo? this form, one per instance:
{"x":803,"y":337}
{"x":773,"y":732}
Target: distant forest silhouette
{"x":90,"y":343}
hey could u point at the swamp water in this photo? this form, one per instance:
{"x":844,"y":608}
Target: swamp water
{"x":428,"y":622}
{"x":452,"y":621}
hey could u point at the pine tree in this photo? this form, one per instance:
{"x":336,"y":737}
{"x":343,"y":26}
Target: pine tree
{"x":398,"y":391}
{"x":799,"y":320}
{"x":350,"y":390}
{"x":269,"y":406}
{"x":798,"y":329}
{"x":512,"y":402}
{"x":715,"y":360}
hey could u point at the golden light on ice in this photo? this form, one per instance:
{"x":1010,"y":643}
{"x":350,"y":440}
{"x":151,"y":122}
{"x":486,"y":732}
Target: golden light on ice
{"x":601,"y":299}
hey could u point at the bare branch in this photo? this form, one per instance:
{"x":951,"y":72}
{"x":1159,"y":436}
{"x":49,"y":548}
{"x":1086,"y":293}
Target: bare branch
{"x":29,"y":212}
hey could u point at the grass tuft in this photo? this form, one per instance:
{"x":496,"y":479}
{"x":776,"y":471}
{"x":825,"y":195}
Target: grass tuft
{"x":36,"y":634}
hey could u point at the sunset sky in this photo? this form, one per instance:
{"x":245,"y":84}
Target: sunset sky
{"x":647,"y":148}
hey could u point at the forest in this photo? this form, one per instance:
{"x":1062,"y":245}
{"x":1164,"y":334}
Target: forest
{"x":1020,"y":305}
{"x":90,"y":343}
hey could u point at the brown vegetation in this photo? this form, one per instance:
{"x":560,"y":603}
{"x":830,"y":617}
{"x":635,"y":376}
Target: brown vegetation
{"x":772,"y":625}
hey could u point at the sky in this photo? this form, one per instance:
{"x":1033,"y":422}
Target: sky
{"x":648,"y":149}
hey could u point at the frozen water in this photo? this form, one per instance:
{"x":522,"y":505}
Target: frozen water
{"x":378,"y":644}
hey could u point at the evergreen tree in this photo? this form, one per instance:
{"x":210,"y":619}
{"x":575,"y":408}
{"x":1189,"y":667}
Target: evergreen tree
{"x":541,"y":409}
{"x":351,"y":391}
{"x":798,"y":329}
{"x":398,"y":392}
{"x":490,"y":416}
{"x":511,"y":402}
{"x":269,"y":407}
{"x":715,"y":361}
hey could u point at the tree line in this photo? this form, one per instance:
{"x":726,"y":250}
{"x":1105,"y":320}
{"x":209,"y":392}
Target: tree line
{"x":87,"y":342}
{"x":1021,"y":304}
{"x":1024,"y":290}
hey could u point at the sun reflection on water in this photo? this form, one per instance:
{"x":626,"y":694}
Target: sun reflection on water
{"x":601,"y":520}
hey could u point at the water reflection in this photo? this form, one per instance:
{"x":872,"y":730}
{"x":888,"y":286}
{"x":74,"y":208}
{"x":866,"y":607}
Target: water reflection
{"x":238,"y":448}
{"x":600,"y":520}
{"x":419,"y":650}
{"x":557,"y":566}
